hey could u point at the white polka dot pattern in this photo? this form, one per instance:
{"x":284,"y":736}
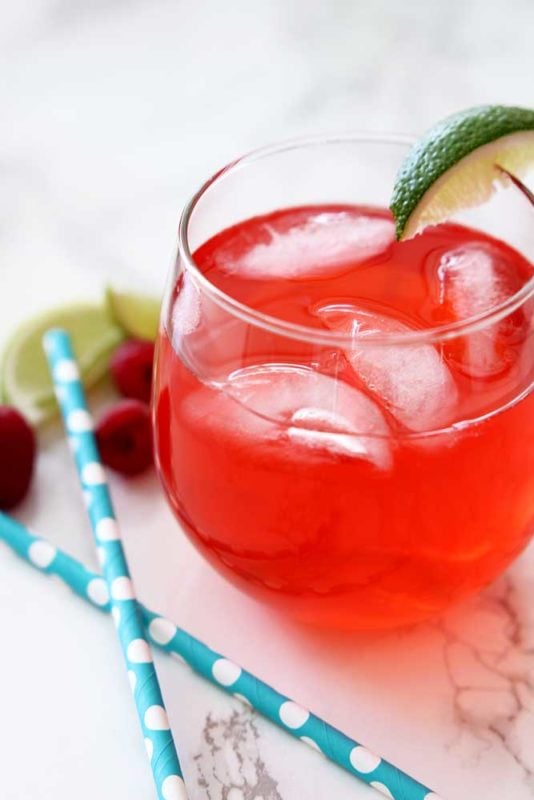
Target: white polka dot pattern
{"x":162,"y":630}
{"x":381,"y":787}
{"x":310,"y":743}
{"x":225,"y":672}
{"x":293,"y":715}
{"x":72,"y":574}
{"x":79,"y":421}
{"x":41,"y":553}
{"x":363,"y":760}
{"x":97,"y":591}
{"x":242,"y":699}
{"x":93,"y":474}
{"x":66,"y":371}
{"x":139,"y":652}
{"x":122,"y":589}
{"x":107,"y":530}
{"x":173,"y":788}
{"x":117,"y":583}
{"x":156,"y":719}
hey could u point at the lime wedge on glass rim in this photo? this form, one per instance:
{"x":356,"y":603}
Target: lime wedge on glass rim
{"x":25,"y":378}
{"x":137,"y":314}
{"x":459,"y":163}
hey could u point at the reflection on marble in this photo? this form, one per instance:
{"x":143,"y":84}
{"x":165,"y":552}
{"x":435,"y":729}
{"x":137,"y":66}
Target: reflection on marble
{"x":113,"y":111}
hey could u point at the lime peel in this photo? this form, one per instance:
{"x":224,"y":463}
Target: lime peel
{"x":454,"y":165}
{"x":137,"y":314}
{"x":25,"y":379}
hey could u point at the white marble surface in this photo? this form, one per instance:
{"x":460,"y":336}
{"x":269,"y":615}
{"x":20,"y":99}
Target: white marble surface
{"x":112,"y":111}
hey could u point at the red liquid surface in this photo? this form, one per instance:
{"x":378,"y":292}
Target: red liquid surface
{"x":355,"y":485}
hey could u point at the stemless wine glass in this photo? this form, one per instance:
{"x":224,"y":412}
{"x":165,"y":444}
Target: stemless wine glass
{"x":365,"y":528}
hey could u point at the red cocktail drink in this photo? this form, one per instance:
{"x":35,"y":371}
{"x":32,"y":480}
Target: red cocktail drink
{"x":344,"y":425}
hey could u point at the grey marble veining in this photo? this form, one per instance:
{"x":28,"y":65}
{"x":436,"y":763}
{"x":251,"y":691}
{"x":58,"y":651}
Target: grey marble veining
{"x":112,"y":113}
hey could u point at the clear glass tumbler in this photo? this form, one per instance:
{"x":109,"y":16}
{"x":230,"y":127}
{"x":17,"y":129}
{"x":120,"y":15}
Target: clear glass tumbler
{"x":281,"y":475}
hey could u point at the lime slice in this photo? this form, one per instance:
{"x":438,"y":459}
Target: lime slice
{"x":137,"y":314}
{"x":456,"y":164}
{"x":25,"y":377}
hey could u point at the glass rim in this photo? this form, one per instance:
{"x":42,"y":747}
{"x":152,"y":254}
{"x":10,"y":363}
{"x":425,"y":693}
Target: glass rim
{"x":276,"y":325}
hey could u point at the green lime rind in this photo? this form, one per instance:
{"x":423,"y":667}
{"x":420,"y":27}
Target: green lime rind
{"x":138,"y":315}
{"x":445,"y":145}
{"x":25,"y":378}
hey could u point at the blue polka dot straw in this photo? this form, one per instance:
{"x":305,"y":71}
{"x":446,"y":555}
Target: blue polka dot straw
{"x":126,"y":611}
{"x":220,"y":671}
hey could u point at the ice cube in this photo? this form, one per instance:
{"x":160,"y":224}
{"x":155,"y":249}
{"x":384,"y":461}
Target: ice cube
{"x":286,"y":402}
{"x":411,"y":380}
{"x":186,"y":308}
{"x":317,"y":428}
{"x":322,"y":245}
{"x":473,"y":279}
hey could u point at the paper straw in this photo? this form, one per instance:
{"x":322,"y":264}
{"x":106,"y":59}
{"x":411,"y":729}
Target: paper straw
{"x":126,"y":612}
{"x":218,"y":670}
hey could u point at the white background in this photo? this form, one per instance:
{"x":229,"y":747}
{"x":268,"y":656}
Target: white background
{"x":112,"y":113}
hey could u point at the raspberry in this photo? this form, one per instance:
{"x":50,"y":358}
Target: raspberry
{"x":131,"y":368}
{"x":124,"y":436}
{"x":17,"y":454}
